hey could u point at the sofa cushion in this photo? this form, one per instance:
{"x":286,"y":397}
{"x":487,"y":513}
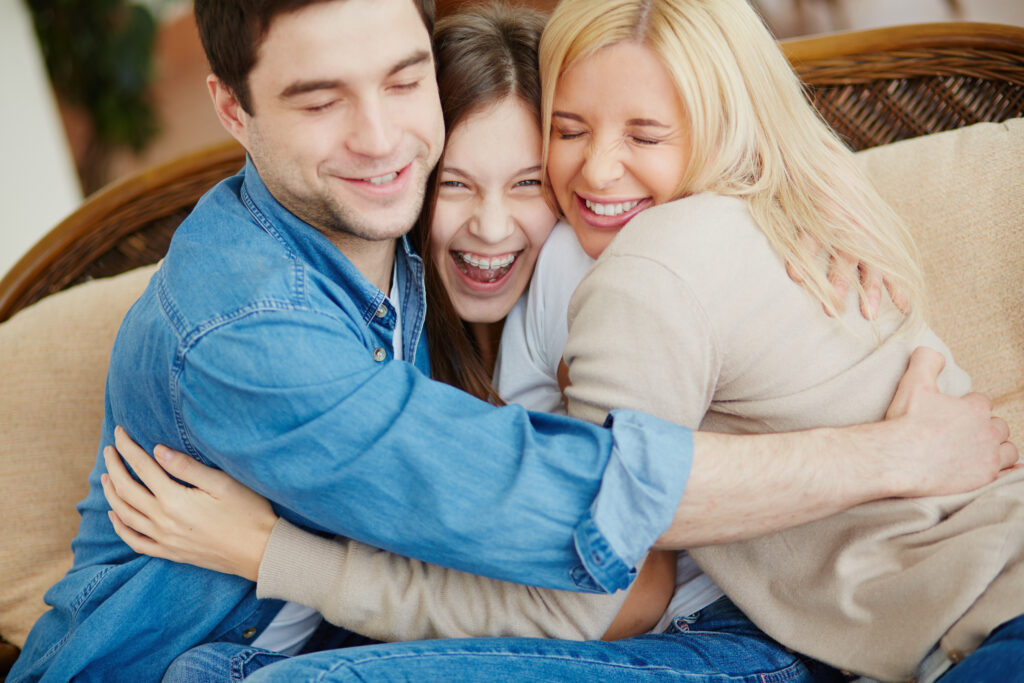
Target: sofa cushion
{"x":962,"y":194}
{"x":55,"y":355}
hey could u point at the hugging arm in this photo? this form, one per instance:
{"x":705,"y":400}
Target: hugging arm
{"x":221,"y":525}
{"x":292,"y":405}
{"x":745,"y":486}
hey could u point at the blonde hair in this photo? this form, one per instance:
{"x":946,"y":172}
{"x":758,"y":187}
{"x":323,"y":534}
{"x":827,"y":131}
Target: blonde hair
{"x":754,"y":135}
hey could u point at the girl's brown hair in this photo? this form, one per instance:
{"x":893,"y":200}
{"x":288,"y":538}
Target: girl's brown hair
{"x":485,"y":54}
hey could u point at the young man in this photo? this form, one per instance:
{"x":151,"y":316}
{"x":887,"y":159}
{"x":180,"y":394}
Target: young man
{"x":266,"y":345}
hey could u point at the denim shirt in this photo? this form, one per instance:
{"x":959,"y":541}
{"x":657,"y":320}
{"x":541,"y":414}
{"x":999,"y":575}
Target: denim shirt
{"x":260,"y":349}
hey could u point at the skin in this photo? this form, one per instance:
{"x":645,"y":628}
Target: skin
{"x":329,"y":115}
{"x":490,"y":210}
{"x":619,"y":141}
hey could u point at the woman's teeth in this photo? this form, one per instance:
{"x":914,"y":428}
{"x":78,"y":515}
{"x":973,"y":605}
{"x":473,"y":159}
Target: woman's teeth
{"x":610,"y":209}
{"x":381,"y":179}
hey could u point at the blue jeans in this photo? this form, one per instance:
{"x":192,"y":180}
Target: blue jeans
{"x":999,"y":658}
{"x":716,"y":644}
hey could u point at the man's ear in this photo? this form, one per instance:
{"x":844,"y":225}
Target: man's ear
{"x":228,"y":108}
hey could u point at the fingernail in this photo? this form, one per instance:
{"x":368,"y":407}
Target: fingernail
{"x":162,"y":455}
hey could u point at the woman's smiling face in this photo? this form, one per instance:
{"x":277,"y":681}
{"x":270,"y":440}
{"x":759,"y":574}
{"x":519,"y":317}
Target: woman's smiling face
{"x":491,"y":218}
{"x":619,"y":141}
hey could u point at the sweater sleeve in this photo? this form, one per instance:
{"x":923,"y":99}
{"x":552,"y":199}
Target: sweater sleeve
{"x":647,"y":345}
{"x":393,"y":598}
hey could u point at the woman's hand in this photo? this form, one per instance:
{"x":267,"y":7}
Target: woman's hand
{"x":842,"y":270}
{"x":220,"y":524}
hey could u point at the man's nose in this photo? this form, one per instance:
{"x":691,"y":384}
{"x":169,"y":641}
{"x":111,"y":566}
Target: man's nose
{"x":373,"y":133}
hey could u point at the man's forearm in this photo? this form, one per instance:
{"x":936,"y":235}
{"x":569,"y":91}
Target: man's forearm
{"x":745,"y":486}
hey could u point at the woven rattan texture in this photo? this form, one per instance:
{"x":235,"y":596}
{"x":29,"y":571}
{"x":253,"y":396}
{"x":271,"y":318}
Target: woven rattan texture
{"x":876,"y":99}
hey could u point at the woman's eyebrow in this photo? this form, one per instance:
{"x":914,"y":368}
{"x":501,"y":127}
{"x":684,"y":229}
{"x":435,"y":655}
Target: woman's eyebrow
{"x":567,"y":115}
{"x":646,"y":122}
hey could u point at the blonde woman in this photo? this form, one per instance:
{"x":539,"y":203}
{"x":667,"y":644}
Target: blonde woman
{"x":689,"y":314}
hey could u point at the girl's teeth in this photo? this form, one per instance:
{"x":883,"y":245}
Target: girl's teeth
{"x":487,"y":263}
{"x":610,"y":209}
{"x":380,"y":180}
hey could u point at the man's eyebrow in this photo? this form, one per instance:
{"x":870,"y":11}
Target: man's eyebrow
{"x":303,"y":87}
{"x":415,"y":58}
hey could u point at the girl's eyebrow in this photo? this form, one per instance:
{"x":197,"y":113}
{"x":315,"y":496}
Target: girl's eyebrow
{"x":455,"y":170}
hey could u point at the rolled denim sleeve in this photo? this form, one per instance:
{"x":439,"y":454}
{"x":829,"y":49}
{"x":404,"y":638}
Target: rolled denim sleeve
{"x":293,"y":405}
{"x":640,"y":479}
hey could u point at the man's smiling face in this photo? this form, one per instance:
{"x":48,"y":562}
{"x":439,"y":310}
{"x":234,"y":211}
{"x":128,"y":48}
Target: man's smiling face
{"x":346,"y":122}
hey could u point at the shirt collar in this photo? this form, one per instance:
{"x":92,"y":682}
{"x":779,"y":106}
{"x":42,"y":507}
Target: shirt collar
{"x":309,"y":245}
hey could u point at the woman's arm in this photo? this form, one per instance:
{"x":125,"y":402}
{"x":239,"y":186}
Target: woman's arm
{"x":222,"y":525}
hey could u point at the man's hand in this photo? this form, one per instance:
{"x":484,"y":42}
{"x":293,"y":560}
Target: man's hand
{"x":953,"y":444}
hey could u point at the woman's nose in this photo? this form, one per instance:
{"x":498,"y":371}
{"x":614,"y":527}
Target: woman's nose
{"x":602,"y":165}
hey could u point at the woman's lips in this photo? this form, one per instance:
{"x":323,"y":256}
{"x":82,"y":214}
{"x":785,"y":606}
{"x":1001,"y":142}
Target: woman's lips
{"x":614,"y":214}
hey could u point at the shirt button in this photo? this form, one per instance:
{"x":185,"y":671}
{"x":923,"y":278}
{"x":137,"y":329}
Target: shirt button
{"x":248,"y":633}
{"x":956,"y":656}
{"x":379,"y":354}
{"x":382,"y":311}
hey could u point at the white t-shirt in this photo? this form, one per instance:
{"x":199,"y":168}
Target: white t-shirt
{"x":532,"y":343}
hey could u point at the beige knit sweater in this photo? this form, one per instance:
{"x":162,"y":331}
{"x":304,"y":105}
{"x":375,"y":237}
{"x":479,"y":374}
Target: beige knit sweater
{"x":393,"y":598}
{"x":689,"y":315}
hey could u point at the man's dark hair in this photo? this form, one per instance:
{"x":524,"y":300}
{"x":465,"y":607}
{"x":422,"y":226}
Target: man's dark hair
{"x":232,"y":31}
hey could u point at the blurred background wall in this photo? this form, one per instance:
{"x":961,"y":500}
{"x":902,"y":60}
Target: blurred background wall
{"x":49,"y":149}
{"x":37,"y":173}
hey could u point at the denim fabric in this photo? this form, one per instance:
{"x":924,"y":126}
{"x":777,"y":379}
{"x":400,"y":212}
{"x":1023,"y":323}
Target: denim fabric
{"x":257,"y":348}
{"x":717,"y":644}
{"x":233,"y":662}
{"x":999,"y":658}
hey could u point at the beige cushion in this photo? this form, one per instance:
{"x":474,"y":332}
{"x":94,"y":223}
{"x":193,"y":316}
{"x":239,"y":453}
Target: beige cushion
{"x":962,"y":193}
{"x":53,"y":370}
